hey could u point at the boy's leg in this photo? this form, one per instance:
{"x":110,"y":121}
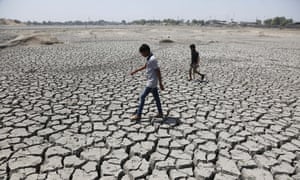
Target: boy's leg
{"x":145,"y":93}
{"x":190,"y":72}
{"x":157,"y":100}
{"x":202,"y":76}
{"x":196,"y":71}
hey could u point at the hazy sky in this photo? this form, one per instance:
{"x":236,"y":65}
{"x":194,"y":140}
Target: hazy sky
{"x":117,"y":10}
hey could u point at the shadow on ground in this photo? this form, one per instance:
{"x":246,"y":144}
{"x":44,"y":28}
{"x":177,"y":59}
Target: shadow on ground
{"x":171,"y":121}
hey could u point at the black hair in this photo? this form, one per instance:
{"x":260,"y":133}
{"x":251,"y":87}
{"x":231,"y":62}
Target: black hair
{"x":144,"y":48}
{"x":192,"y":46}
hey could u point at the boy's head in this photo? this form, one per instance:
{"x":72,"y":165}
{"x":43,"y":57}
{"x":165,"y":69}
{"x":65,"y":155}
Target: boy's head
{"x":192,"y":46}
{"x":145,"y":50}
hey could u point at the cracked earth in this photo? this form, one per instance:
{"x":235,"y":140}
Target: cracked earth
{"x":65,"y":108}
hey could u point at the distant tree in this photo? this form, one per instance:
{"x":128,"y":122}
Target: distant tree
{"x":188,"y":22}
{"x":139,"y":22}
{"x":281,"y":21}
{"x":153,"y":21}
{"x":268,"y":22}
{"x":194,"y":22}
{"x":201,"y":22}
{"x":258,"y":22}
{"x":35,"y":23}
{"x":285,"y":22}
{"x":17,"y":21}
{"x":197,"y":22}
{"x":276,"y":21}
{"x":181,"y":21}
{"x":123,"y":22}
{"x":170,"y":21}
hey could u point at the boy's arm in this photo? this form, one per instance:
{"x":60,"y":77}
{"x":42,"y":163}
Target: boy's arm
{"x":139,"y":69}
{"x":160,"y":79}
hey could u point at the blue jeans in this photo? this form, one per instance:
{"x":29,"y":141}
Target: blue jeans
{"x":145,"y":93}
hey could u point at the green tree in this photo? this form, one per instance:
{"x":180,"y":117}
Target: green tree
{"x":275,"y":21}
{"x":281,"y":21}
{"x":258,"y":21}
{"x":197,"y":22}
{"x":268,"y":21}
{"x":286,"y":22}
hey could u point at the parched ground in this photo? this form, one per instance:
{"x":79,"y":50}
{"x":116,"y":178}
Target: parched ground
{"x":65,"y":108}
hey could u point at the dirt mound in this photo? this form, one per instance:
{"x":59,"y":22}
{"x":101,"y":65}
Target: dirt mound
{"x":10,"y":22}
{"x":166,"y":41}
{"x":33,"y":39}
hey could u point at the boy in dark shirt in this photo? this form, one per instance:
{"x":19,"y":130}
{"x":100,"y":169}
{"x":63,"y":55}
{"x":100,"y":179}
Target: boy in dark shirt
{"x":194,"y":63}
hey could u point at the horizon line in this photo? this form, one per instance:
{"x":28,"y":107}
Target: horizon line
{"x":146,"y":19}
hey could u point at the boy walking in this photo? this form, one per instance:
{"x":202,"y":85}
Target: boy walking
{"x":194,"y":63}
{"x":153,"y":78}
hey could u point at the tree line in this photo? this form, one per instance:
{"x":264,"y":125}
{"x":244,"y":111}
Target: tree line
{"x":276,"y":21}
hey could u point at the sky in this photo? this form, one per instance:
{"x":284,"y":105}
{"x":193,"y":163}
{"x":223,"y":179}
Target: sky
{"x":117,"y":10}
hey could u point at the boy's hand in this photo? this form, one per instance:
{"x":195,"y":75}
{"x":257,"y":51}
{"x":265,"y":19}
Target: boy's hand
{"x":161,"y":86}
